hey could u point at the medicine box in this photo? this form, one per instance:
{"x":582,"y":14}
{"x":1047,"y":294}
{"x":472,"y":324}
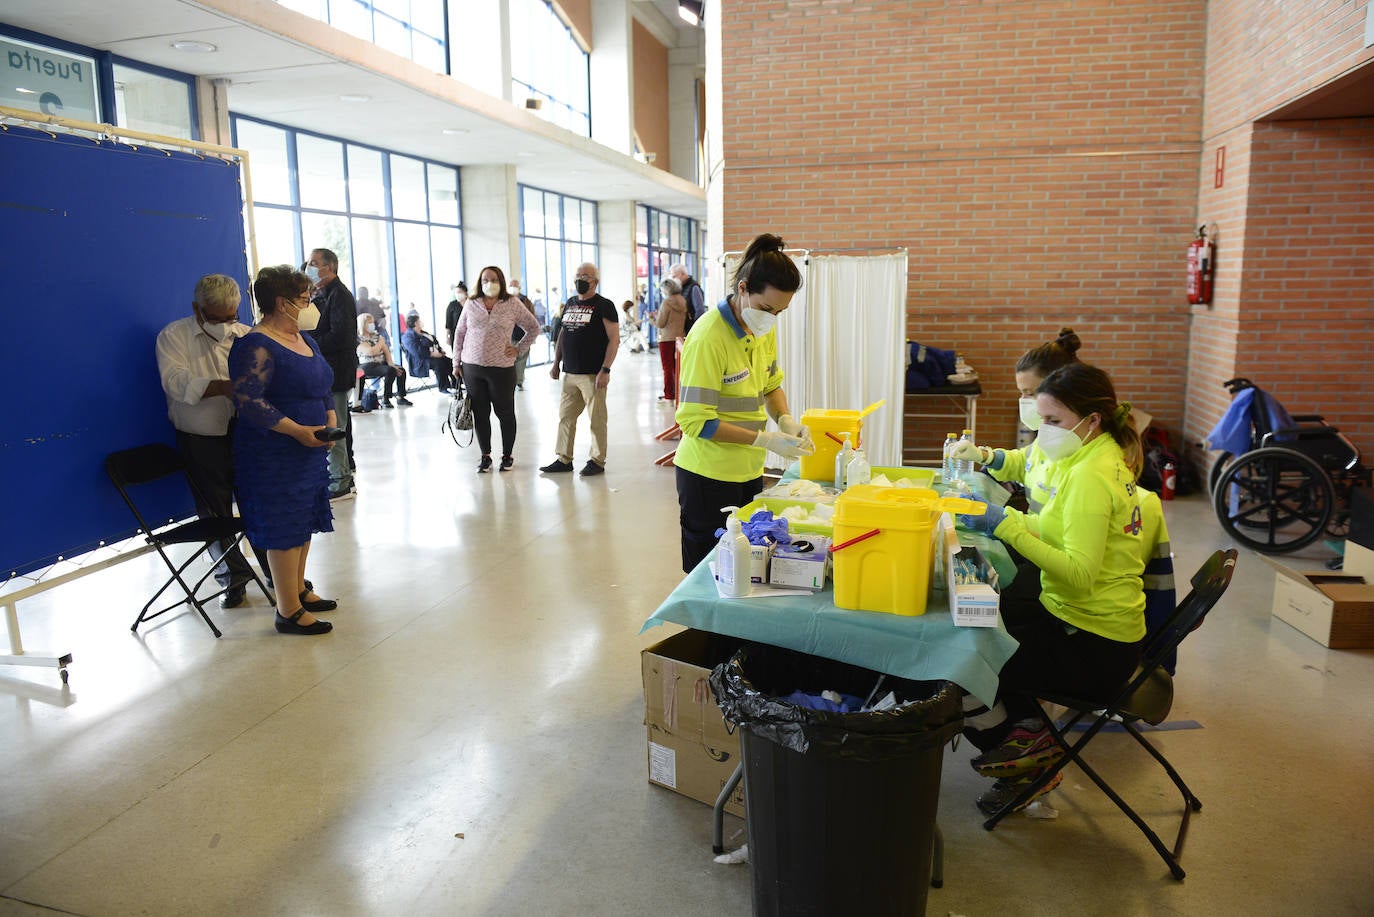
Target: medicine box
{"x":970,"y":604}
{"x":689,"y":749}
{"x":802,"y":564}
{"x":1335,"y":609}
{"x":759,"y":557}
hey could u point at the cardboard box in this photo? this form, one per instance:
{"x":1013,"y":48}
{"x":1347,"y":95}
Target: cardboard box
{"x":970,"y":604}
{"x":801,"y":569}
{"x":759,"y":557}
{"x":1335,"y":609}
{"x":689,"y":749}
{"x":1359,"y":560}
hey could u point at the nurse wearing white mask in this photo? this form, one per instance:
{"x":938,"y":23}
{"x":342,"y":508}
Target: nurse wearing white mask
{"x":1081,"y":634}
{"x":286,"y":418}
{"x":1029,"y":467}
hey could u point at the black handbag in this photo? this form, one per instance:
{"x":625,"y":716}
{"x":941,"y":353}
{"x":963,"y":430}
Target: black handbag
{"x":460,"y":419}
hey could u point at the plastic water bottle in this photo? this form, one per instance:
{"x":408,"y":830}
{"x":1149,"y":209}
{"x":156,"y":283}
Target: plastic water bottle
{"x":842,"y":460}
{"x":733,"y":557}
{"x":947,"y":463}
{"x":963,"y":468}
{"x":859,"y":471}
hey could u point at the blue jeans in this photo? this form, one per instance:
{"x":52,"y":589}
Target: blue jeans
{"x":340,"y":478}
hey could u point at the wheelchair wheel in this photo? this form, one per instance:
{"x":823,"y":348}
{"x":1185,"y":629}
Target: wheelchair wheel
{"x":1218,"y":469}
{"x":1274,"y":500}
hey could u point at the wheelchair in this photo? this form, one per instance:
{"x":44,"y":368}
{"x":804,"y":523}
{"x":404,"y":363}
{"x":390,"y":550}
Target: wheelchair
{"x":1281,"y":481}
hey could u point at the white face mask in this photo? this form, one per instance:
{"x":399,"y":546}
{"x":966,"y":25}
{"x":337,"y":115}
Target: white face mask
{"x":491,"y":289}
{"x":312,"y":273}
{"x":308,"y":319}
{"x":1058,"y":443}
{"x":1030,"y":417}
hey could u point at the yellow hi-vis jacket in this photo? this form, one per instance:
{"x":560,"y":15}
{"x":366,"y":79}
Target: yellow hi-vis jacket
{"x":1028,"y":467}
{"x":1087,"y":543}
{"x":725,"y":374}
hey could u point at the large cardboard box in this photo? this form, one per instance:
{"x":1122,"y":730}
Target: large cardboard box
{"x":1335,"y":609}
{"x":1359,"y":560}
{"x":690,"y":750}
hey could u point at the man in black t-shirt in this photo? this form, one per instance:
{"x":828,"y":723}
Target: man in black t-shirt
{"x":588,"y":338}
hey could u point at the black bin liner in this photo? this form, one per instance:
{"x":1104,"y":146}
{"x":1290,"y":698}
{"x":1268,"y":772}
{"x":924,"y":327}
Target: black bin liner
{"x":840,"y":806}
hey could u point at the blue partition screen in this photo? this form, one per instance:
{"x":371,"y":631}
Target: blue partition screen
{"x":101,"y":245}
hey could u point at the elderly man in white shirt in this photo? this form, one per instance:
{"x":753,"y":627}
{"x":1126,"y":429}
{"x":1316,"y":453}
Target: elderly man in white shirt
{"x":193,"y":359}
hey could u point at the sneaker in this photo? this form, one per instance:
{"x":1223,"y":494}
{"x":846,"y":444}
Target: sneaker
{"x":1022,"y":751}
{"x":591,"y":469}
{"x":507,"y":462}
{"x":556,"y":467}
{"x":386,"y":403}
{"x":405,"y":402}
{"x":340,"y":496}
{"x":485,"y":465}
{"x":1005,"y":790}
{"x":359,"y":409}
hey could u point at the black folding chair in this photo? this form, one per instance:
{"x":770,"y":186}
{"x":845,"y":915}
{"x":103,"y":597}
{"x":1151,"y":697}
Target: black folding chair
{"x":130,"y":468}
{"x":1147,"y":697}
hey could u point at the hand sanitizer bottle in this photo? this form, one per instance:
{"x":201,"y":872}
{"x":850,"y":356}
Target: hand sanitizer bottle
{"x":842,"y":460}
{"x":732,"y":557}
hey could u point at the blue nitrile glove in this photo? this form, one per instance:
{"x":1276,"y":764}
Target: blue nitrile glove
{"x":986,"y":523}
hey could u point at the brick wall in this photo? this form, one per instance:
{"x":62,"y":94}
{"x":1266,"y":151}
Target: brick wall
{"x":1308,"y":330}
{"x":651,"y":95}
{"x":1038,"y":159}
{"x":1290,"y":189}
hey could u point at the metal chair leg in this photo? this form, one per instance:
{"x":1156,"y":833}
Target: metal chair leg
{"x":937,"y":864}
{"x":718,"y":811}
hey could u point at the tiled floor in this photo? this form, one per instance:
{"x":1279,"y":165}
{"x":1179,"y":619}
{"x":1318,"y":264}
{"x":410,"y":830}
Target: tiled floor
{"x":469,"y":740}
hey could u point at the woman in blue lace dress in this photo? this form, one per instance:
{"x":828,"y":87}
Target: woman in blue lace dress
{"x":282,"y":393}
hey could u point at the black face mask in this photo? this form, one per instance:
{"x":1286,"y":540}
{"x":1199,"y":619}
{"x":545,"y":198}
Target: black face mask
{"x":583,"y":286}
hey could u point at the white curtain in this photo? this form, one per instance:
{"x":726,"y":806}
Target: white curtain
{"x":841,"y":344}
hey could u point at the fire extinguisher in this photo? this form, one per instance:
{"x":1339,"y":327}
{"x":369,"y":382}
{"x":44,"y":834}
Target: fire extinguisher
{"x":1200,"y":268}
{"x":1170,"y":481}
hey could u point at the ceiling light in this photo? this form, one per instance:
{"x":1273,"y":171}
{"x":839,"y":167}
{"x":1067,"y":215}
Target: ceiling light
{"x":525,"y":154}
{"x":456,"y":131}
{"x":690,"y":11}
{"x":194,"y":47}
{"x":354,"y":97}
{"x":29,"y":92}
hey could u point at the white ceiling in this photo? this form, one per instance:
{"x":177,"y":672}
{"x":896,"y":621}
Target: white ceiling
{"x":278,"y":77}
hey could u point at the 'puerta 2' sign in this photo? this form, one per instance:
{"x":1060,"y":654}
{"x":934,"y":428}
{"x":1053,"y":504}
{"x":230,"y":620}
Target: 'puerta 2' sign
{"x":51,"y":82}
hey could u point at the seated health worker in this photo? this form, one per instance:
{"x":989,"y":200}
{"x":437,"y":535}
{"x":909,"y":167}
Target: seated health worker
{"x":1081,"y":635}
{"x":730,"y":385}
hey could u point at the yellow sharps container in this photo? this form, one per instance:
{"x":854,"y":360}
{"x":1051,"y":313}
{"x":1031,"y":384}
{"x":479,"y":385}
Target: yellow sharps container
{"x":884,"y":546}
{"x":824,"y":424}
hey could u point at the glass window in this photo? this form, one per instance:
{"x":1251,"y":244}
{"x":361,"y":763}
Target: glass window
{"x":533,"y":207}
{"x":353,"y":17}
{"x":553,"y":218}
{"x":429,"y":52}
{"x":326,"y":230}
{"x":372,"y":264}
{"x":270,"y":170}
{"x":588,"y":221}
{"x":408,"y":189}
{"x":396,"y":262}
{"x":320,"y":165}
{"x":446,"y":259}
{"x":443,"y":194}
{"x":148,"y":102}
{"x":547,"y":63}
{"x":391,"y":34}
{"x":366,"y":190}
{"x":414,"y":289}
{"x":50,"y":81}
{"x":276,"y":242}
{"x":427,"y":16}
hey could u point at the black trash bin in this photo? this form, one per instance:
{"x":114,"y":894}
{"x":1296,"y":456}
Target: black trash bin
{"x":840,"y":806}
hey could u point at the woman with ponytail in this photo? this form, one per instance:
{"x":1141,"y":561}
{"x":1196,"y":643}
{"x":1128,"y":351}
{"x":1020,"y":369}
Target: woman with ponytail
{"x":729,"y":386}
{"x":1081,"y":634}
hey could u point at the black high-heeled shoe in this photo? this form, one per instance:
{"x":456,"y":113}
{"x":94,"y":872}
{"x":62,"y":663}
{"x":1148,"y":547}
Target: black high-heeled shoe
{"x":318,"y":605}
{"x":292,"y":625}
{"x":485,"y":465}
